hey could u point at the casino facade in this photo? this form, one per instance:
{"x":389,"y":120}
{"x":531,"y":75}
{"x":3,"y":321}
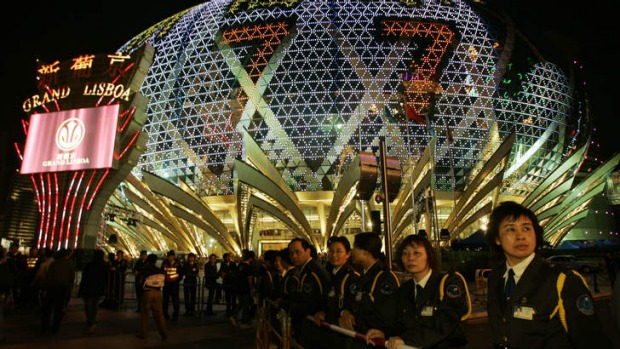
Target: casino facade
{"x":261,"y":115}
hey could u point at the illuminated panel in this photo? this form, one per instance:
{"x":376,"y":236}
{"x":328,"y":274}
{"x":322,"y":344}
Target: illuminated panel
{"x":71,"y":140}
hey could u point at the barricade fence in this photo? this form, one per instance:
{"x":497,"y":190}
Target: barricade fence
{"x":120,"y":292}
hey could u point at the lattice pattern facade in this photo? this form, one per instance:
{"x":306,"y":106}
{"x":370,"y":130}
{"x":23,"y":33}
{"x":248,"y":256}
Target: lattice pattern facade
{"x":315,"y":82}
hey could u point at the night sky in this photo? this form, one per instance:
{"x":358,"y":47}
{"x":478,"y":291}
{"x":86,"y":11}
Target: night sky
{"x":61,"y":30}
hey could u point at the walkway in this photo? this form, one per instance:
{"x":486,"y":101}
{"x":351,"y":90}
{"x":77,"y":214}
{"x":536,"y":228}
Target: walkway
{"x":117,"y":328}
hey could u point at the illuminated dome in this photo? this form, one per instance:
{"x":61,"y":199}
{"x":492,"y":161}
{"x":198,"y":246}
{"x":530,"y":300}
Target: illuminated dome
{"x":314,"y":83}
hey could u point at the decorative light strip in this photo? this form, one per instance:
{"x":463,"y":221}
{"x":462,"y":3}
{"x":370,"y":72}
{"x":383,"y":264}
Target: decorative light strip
{"x":92,"y":197}
{"x":82,"y":204}
{"x":72,"y":209}
{"x":128,"y":146}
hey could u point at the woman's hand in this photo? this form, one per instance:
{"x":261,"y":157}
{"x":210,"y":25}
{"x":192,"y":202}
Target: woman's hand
{"x":373,"y":334}
{"x":346,"y":320}
{"x":394,"y":343}
{"x":319,"y":317}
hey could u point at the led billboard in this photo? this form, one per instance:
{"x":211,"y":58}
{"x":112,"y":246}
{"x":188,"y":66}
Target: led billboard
{"x":71,"y":140}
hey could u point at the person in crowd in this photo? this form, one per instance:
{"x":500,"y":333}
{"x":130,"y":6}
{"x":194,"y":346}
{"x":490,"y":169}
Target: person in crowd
{"x":37,"y":281}
{"x":7,"y":277}
{"x":268,"y":277}
{"x":30,"y":264}
{"x":152,"y":281}
{"x":227,"y":272}
{"x":532,"y":304}
{"x":57,"y":286}
{"x":92,"y":287}
{"x":343,"y":277}
{"x":363,"y":308}
{"x":172,"y":270}
{"x":117,"y":266}
{"x":137,"y":269}
{"x":190,"y":283}
{"x":427,"y":310}
{"x":289,"y":283}
{"x":245,"y":290}
{"x":210,"y":282}
{"x":15,"y":261}
{"x":311,"y":295}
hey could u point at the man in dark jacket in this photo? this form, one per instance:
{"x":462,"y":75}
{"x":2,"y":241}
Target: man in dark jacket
{"x":92,"y":287}
{"x":311,"y":294}
{"x":227,"y":272}
{"x":57,"y":286}
{"x":211,"y":282}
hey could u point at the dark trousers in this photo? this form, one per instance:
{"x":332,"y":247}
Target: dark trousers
{"x":244,"y":306}
{"x":230,"y":296}
{"x":91,"y":305}
{"x":54,"y":303}
{"x":189,"y":296}
{"x":171,"y":292}
{"x":210,"y":298}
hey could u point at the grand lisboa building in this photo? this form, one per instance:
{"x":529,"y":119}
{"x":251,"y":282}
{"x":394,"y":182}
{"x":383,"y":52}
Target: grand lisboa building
{"x":264,"y":117}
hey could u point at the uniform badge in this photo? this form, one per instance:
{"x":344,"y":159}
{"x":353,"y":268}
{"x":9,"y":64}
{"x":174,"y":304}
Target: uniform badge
{"x":454,"y":291}
{"x":308,"y":288}
{"x":353,"y":288}
{"x":585,"y":305}
{"x":386,"y":288}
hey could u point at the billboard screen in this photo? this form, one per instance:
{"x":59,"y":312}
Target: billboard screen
{"x":77,"y":139}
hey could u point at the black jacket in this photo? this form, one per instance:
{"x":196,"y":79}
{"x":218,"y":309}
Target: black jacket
{"x":532,"y":317}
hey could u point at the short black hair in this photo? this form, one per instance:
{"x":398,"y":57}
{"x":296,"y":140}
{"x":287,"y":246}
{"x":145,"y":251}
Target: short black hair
{"x":418,"y":240}
{"x":341,"y":239}
{"x":510,"y":209}
{"x":370,"y":242}
{"x":151,"y":259}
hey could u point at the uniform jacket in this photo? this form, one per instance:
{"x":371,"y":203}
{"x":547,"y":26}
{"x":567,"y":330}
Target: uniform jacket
{"x":436,"y":320}
{"x":211,"y":274}
{"x":190,"y":273}
{"x":342,"y":284}
{"x":532,"y":317}
{"x":369,"y":294}
{"x":311,"y":295}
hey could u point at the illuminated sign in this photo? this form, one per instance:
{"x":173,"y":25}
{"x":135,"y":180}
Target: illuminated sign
{"x":71,"y":140}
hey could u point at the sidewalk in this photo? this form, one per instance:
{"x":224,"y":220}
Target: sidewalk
{"x":117,"y":328}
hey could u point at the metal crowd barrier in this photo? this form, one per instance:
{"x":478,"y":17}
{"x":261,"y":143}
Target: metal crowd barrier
{"x":273,"y":327}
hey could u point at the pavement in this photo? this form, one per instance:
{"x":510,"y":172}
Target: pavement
{"x":116,"y":329}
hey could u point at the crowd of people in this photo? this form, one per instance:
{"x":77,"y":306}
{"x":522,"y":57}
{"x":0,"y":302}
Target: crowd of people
{"x":352,"y":299}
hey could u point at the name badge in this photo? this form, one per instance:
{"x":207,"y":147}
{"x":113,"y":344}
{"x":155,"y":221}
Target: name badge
{"x":524,"y":313}
{"x":427,"y":311}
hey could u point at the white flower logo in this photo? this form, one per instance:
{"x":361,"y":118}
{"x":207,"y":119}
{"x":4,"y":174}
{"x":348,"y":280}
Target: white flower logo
{"x":70,"y":134}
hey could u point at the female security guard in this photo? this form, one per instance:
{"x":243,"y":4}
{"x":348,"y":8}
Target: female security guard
{"x":427,"y":310}
{"x":532,"y":304}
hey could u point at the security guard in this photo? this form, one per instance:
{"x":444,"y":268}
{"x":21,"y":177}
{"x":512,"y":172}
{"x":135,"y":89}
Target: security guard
{"x":532,"y":304}
{"x":427,"y":310}
{"x":310,"y":296}
{"x":343,"y":276}
{"x":172,"y":269}
{"x":363,"y":302}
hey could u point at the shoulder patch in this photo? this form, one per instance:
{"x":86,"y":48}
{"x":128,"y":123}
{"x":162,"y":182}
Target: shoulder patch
{"x":585,"y":304}
{"x":353,"y":288}
{"x":454,"y":291}
{"x":386,"y":288}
